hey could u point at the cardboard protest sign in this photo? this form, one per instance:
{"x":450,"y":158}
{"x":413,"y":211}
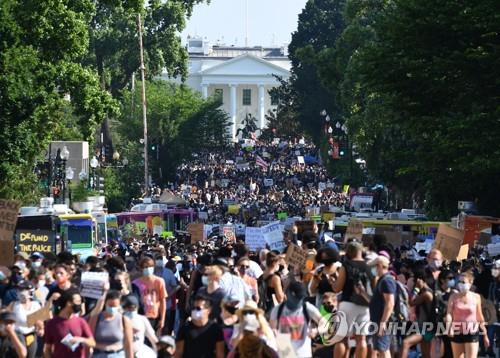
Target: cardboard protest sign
{"x":229,"y":233}
{"x":463,"y":252}
{"x":274,"y":236}
{"x":30,"y":241}
{"x":254,"y":239}
{"x":296,"y":257}
{"x":92,"y":284}
{"x":8,"y":218}
{"x":354,"y":230}
{"x":448,"y":241}
{"x":7,"y":252}
{"x":42,"y":314}
{"x":197,"y":232}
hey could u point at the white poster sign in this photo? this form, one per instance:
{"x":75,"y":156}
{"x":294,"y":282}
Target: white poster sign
{"x":274,"y":236}
{"x":254,"y":239}
{"x":92,"y":284}
{"x":268,"y":182}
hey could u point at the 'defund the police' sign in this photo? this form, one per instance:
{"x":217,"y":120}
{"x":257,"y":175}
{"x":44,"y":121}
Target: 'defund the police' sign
{"x":30,"y":241}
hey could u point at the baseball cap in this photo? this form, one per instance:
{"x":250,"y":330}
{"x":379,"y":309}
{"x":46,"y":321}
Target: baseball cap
{"x":130,"y":300}
{"x":297,"y":289}
{"x":37,"y":255}
{"x":168,"y":340}
{"x":7,"y":316}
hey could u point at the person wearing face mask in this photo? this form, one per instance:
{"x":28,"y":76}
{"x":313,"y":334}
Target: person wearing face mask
{"x":41,"y":290}
{"x":23,"y":307}
{"x":324,"y":276}
{"x":270,"y":284}
{"x":434,"y":263}
{"x":464,"y":313}
{"x":68,"y":330}
{"x":212,"y":290}
{"x":243,"y":269}
{"x":152,"y":292}
{"x":12,"y":343}
{"x":172,"y":286}
{"x":200,"y":337}
{"x":382,"y":304}
{"x":36,"y":260}
{"x":62,"y":273}
{"x":494,"y":297}
{"x":442,"y":295}
{"x":112,"y":330}
{"x":293,"y":317}
{"x":141,"y":328}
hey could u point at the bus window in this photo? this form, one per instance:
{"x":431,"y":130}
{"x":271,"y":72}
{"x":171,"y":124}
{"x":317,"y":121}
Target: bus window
{"x":80,"y":237}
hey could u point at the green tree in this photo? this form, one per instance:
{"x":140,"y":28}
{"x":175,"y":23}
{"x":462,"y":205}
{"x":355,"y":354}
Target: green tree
{"x":115,"y":47}
{"x":43,"y":44}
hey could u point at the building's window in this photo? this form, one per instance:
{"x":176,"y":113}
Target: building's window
{"x":247,"y":97}
{"x":274,"y":100}
{"x":219,"y":94}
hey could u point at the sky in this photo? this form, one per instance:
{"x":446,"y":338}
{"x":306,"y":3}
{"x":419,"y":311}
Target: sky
{"x":269,"y":21}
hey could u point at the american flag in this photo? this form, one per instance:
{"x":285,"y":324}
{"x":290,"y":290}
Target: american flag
{"x":261,"y":162}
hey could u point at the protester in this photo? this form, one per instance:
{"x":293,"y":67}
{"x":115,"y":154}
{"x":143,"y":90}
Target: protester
{"x":12,"y":343}
{"x":201,"y":337}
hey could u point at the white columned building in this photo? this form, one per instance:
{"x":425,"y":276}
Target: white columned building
{"x":241,"y":76}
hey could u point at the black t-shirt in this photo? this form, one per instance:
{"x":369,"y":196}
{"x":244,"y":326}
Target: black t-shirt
{"x":200,"y":342}
{"x":56,"y":289}
{"x":216,"y":298}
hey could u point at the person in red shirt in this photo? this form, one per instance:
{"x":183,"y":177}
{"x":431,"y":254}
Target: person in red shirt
{"x":68,"y":335}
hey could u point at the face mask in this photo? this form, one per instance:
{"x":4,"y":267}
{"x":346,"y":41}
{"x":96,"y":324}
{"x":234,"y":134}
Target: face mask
{"x":40,"y":283}
{"x":197,"y":315}
{"x":77,"y":308}
{"x":464,"y":287}
{"x":451,"y":283}
{"x":36,"y":264}
{"x":374,"y":271}
{"x":436,"y":264}
{"x":130,"y":314}
{"x":112,"y":310}
{"x":495,"y":272}
{"x":148,"y":271}
{"x":204,"y":280}
{"x":20,"y":264}
{"x":328,"y":308}
{"x":159,"y":263}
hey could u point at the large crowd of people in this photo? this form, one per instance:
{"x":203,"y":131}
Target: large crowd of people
{"x":168,"y":298}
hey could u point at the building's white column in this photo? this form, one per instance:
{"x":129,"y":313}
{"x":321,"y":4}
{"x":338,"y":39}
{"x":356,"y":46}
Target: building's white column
{"x":262,"y":113}
{"x":204,"y":90}
{"x":233,"y":111}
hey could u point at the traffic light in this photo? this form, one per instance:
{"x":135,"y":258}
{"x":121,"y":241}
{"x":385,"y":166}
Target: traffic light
{"x":100,"y":184}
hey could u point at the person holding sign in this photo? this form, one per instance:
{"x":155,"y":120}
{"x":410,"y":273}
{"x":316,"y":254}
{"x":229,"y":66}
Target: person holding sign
{"x":23,"y":307}
{"x":324,"y":276}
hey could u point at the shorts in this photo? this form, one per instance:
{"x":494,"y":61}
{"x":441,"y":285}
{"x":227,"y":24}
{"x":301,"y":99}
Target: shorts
{"x":465,"y":338}
{"x":382,"y":343}
{"x":357,"y":317}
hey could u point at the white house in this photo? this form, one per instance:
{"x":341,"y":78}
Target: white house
{"x":242,"y":76}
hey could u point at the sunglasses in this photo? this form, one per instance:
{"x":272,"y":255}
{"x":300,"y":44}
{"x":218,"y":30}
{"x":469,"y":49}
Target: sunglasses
{"x":247,"y":312}
{"x":462,"y":282}
{"x":244,"y":267}
{"x":198,"y":308}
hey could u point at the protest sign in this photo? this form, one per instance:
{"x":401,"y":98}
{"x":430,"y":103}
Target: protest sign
{"x":233,"y":209}
{"x":166,"y":234}
{"x":354,"y":230}
{"x":229,"y":233}
{"x":197,"y":232}
{"x":203,"y":215}
{"x":254,"y":239}
{"x":228,"y":201}
{"x":493,"y":249}
{"x":92,"y":284}
{"x":274,"y":236}
{"x":30,"y":241}
{"x":282,"y":216}
{"x":463,"y":252}
{"x":425,"y":246}
{"x":42,"y":314}
{"x":321,"y":186}
{"x":8,"y":218}
{"x":300,"y":159}
{"x":268,"y":182}
{"x":448,"y":241}
{"x":296,"y":257}
{"x":327,"y":216}
{"x":7,"y":252}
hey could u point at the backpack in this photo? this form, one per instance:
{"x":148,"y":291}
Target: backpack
{"x":265,"y":303}
{"x":401,"y":311}
{"x":304,"y":311}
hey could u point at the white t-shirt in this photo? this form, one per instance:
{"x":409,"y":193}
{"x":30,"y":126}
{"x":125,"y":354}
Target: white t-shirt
{"x":141,"y":328}
{"x":22,"y":316}
{"x":256,"y":270}
{"x":294,"y":323}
